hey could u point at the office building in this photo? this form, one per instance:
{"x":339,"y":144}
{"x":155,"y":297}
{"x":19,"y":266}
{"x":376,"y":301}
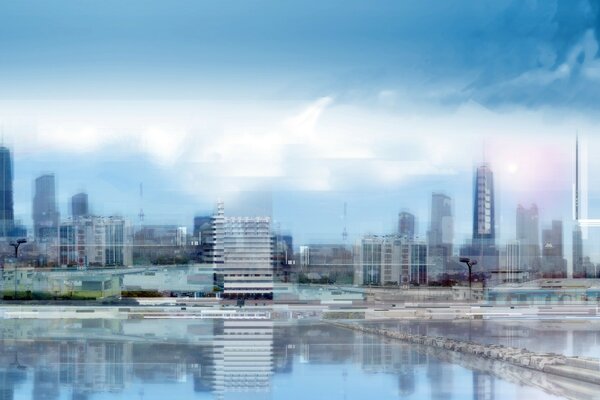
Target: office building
{"x":440,"y":235}
{"x":45,"y":209}
{"x":483,"y":244}
{"x":95,"y":242}
{"x":510,"y":264}
{"x":7,"y":219}
{"x":243,"y":255}
{"x":79,"y":205}
{"x":527,"y":234}
{"x":391,"y":261}
{"x":406,"y":225}
{"x":553,"y":263}
{"x":484,"y":220}
{"x":579,"y":265}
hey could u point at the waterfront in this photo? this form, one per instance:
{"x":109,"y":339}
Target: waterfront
{"x":231,"y":359}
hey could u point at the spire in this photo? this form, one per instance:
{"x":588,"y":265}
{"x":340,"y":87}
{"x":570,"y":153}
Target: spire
{"x":576,"y":194}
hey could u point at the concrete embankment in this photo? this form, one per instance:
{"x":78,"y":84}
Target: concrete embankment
{"x":578,"y":368}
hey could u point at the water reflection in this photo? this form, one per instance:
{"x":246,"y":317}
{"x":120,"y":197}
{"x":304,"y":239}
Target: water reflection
{"x":571,"y":338}
{"x":147,"y":359}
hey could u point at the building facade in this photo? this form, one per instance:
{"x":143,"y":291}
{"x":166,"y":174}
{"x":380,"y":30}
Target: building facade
{"x":483,"y":244}
{"x":243,"y":256}
{"x":554,"y":264}
{"x":580,"y":269}
{"x":79,"y":205}
{"x":7,"y":219}
{"x":440,"y":236}
{"x":406,"y":225}
{"x":96,"y":242}
{"x":45,"y":210}
{"x":391,"y":261}
{"x":527,"y":234}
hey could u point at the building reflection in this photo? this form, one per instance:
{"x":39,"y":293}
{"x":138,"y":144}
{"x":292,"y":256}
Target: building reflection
{"x":231,"y":358}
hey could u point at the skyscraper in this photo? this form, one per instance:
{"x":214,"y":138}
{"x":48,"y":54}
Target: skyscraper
{"x":527,"y":234}
{"x":45,"y":210}
{"x":553,"y":263}
{"x":579,"y":266}
{"x":7,"y":219}
{"x":483,"y":246}
{"x":406,"y":225}
{"x":79,"y":205}
{"x":484,"y":220}
{"x":440,"y":235}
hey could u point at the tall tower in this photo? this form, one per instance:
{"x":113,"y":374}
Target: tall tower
{"x":7,"y":219}
{"x":483,"y":245}
{"x":45,"y":210}
{"x":484,"y":220}
{"x":577,"y":261}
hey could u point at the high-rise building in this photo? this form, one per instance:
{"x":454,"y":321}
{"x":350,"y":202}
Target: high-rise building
{"x":553,"y":263}
{"x":527,"y":234}
{"x":79,"y":205}
{"x":96,"y":241}
{"x":243,"y":255}
{"x":7,"y":219}
{"x":440,"y":235}
{"x":45,"y":209}
{"x":406,"y":225}
{"x":579,"y":266}
{"x":484,"y":220}
{"x":483,"y":245}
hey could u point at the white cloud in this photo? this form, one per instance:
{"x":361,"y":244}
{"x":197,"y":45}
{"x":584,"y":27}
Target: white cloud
{"x":212,"y":148}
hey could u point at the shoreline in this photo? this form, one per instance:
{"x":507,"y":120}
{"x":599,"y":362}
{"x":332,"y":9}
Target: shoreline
{"x":585,"y":369}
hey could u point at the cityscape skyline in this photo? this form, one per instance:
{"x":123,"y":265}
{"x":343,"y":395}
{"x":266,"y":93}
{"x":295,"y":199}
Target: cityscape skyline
{"x":319,"y":199}
{"x":46,"y":214}
{"x":413,"y":226}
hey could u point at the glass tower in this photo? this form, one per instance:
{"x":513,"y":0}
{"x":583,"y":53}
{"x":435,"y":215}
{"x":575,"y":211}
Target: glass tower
{"x":484,"y":230}
{"x":45,"y":210}
{"x":7,"y":219}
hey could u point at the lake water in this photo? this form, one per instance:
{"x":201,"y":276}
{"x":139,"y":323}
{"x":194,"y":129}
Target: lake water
{"x":189,"y":359}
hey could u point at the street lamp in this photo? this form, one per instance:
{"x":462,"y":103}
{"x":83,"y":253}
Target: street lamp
{"x":16,"y":246}
{"x":469,"y":264}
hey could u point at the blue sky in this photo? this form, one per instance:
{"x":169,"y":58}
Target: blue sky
{"x":299,"y":107}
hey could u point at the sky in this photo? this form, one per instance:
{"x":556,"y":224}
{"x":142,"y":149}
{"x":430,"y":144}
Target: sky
{"x":295,"y":108}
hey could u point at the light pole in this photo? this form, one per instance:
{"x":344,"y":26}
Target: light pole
{"x":469,"y":264}
{"x":16,"y":246}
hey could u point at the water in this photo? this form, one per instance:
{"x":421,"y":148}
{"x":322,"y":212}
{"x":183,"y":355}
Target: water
{"x":184,"y":359}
